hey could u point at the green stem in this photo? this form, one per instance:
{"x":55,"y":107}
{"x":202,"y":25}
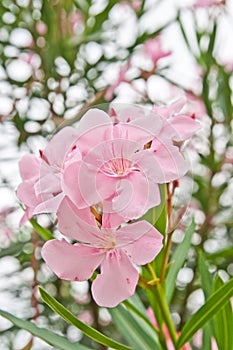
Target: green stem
{"x":159,"y":292}
{"x":165,"y":257}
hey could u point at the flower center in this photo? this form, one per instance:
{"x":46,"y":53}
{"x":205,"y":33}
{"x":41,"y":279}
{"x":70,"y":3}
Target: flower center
{"x":117,"y":167}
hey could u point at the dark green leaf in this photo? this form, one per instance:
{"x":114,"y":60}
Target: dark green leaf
{"x":212,"y":306}
{"x":85,"y":329}
{"x":134,"y":330}
{"x":178,"y":258}
{"x":49,"y":337}
{"x":223,"y":321}
{"x":44,"y":233}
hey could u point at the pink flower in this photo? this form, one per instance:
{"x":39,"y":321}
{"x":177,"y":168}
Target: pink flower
{"x":113,"y":250}
{"x":29,"y":167}
{"x":178,"y":126}
{"x":153,"y":49}
{"x":119,"y":170}
{"x":41,"y":189}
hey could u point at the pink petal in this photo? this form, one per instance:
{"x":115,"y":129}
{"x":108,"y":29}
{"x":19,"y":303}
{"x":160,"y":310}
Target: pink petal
{"x":117,"y":281}
{"x":94,"y":127}
{"x":26,"y":193}
{"x":49,"y":205}
{"x":59,"y":146}
{"x":184,"y":127}
{"x":132,"y":132}
{"x":105,"y":185}
{"x":130,"y":233}
{"x":92,"y":119}
{"x":110,"y":219}
{"x":79,"y":184}
{"x":135,"y":195}
{"x":151,"y":123}
{"x":146,"y":248}
{"x":169,"y":160}
{"x":171,"y":109}
{"x":49,"y":183}
{"x":125,"y":113}
{"x":162,"y":162}
{"x":71,"y":262}
{"x":77,"y":223}
{"x":29,"y":167}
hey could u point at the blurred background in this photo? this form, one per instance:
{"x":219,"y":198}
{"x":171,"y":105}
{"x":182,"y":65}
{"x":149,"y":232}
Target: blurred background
{"x":60,"y":57}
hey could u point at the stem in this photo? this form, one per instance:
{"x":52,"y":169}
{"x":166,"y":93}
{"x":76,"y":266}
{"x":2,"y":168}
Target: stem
{"x":169,"y":235}
{"x":165,"y":257}
{"x":159,"y":292}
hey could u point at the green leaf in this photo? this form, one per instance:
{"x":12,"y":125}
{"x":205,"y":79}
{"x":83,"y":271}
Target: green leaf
{"x":212,"y":306}
{"x":179,"y":258}
{"x":205,"y":276}
{"x":223,"y":322}
{"x":87,"y":330}
{"x":44,"y":233}
{"x":49,"y":337}
{"x":157,"y":215}
{"x":134,"y":329}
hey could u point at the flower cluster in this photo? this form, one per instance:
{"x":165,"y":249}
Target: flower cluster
{"x":100,"y":178}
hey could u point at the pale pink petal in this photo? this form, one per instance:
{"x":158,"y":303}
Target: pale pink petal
{"x":94,"y":127}
{"x":110,"y":219}
{"x":106,"y":185}
{"x":131,"y":233}
{"x":49,"y":205}
{"x":132,"y":132}
{"x":117,"y":281}
{"x":26,"y":216}
{"x":172,"y":109}
{"x":87,"y":178}
{"x":79,"y":184}
{"x":71,"y":262}
{"x":48,"y":183}
{"x":170,"y":161}
{"x":29,"y":166}
{"x":125,"y":113}
{"x":180,"y":128}
{"x":146,"y":248}
{"x":135,"y":195}
{"x":26,"y":193}
{"x":162,"y":162}
{"x":151,"y":123}
{"x":77,"y":223}
{"x":59,"y":146}
{"x":92,"y":119}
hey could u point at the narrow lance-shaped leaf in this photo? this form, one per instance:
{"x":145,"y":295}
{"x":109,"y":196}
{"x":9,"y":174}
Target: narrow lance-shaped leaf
{"x":49,"y":337}
{"x":207,"y":286}
{"x":44,"y":233}
{"x":179,"y":258}
{"x":223,"y":322}
{"x":85,"y":329}
{"x":212,"y":306}
{"x":133,"y":330}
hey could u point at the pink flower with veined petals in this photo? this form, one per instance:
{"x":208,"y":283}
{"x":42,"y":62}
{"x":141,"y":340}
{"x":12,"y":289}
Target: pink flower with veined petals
{"x":122,"y":163}
{"x":178,"y":126}
{"x":41,"y":189}
{"x":113,"y":250}
{"x":153,"y":49}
